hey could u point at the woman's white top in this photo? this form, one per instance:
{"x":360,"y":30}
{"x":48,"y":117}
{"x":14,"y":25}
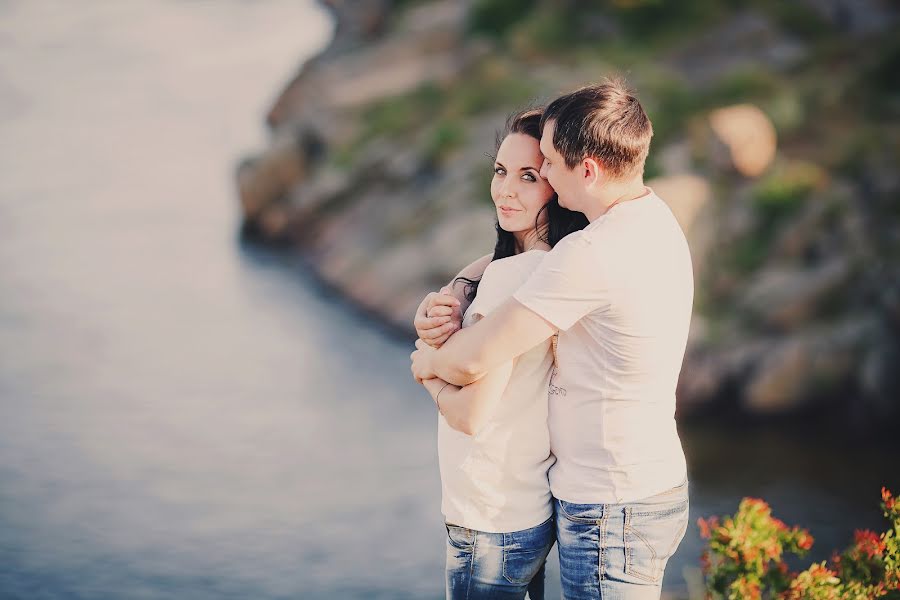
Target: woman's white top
{"x":496,"y":481}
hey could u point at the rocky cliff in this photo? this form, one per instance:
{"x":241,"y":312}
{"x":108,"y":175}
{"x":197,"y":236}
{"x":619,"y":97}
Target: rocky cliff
{"x":776,"y":147}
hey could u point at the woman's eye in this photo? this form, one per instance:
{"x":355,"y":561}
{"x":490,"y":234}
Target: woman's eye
{"x":499,"y":171}
{"x":529,"y":177}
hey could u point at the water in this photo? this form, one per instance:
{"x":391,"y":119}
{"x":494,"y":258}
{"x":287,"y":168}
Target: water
{"x":185,"y":417}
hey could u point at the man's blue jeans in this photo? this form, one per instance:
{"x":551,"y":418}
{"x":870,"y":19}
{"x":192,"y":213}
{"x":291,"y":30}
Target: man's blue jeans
{"x":497,"y":565}
{"x":619,"y":551}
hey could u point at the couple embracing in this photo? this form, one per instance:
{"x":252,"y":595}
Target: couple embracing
{"x":553,"y":363}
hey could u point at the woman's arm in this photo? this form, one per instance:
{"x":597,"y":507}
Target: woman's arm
{"x":440,"y":314}
{"x":473,"y":271}
{"x":467,"y":409}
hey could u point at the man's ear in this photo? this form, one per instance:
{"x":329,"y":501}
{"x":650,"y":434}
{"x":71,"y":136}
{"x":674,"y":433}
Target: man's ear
{"x":592,"y":171}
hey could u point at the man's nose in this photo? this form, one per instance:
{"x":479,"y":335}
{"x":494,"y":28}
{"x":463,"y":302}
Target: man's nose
{"x":543,"y":171}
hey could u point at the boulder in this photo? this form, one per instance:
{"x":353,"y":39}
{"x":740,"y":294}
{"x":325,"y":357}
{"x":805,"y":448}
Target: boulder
{"x":711,"y":370}
{"x":796,"y":371}
{"x":690,"y":198}
{"x":784,"y":298}
{"x":747,"y":137}
{"x":267,"y":178}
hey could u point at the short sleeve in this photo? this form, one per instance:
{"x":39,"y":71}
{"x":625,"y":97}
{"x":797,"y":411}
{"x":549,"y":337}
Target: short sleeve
{"x":501,"y":278}
{"x":569,"y":283}
{"x":489,"y":297}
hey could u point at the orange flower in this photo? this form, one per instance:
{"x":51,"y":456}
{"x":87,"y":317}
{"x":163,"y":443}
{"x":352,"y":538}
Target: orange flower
{"x":757,"y":503}
{"x":836,"y":561}
{"x":804,"y":540}
{"x":869,"y":543}
{"x":705,"y":529}
{"x":705,"y":563}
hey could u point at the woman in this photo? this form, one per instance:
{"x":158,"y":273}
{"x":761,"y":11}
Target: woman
{"x":493,"y":442}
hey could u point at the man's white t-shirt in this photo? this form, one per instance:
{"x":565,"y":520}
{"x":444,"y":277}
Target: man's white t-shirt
{"x":496,"y":481}
{"x":621,"y":293}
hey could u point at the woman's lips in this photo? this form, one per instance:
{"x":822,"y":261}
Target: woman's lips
{"x":507,"y":211}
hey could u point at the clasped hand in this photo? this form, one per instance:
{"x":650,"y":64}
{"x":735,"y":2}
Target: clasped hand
{"x":437,"y":318}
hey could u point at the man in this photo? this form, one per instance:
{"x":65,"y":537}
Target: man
{"x":619,"y":294}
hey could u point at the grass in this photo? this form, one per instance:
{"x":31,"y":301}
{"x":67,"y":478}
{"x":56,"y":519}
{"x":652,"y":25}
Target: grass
{"x":783,"y":192}
{"x":401,"y":114}
{"x":496,"y":17}
{"x":447,"y":136}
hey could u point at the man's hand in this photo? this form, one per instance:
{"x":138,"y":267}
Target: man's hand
{"x":421,"y":362}
{"x":437,"y":318}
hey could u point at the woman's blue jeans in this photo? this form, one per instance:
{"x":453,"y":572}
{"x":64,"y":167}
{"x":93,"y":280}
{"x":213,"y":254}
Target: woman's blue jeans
{"x":497,"y":565}
{"x":619,"y":551}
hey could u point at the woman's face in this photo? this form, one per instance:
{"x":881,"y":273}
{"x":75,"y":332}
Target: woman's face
{"x":518,"y":191}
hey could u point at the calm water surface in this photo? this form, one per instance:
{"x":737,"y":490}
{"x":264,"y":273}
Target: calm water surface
{"x":183,"y":417}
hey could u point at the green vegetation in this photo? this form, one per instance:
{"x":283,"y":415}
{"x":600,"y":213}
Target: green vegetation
{"x":443,"y":139}
{"x":745,"y":558}
{"x":782,"y":193}
{"x":402,"y":114}
{"x":440,"y":111}
{"x":496,"y":17}
{"x":776,"y":198}
{"x":493,"y":83}
{"x":481,"y":178}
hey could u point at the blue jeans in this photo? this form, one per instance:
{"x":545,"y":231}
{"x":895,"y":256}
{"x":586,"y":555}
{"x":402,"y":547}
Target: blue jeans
{"x":497,"y":565}
{"x":619,"y":551}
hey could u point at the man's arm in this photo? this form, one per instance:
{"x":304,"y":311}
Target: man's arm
{"x":506,"y":333}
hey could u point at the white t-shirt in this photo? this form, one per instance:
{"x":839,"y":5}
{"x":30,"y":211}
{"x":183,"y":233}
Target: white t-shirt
{"x":496,"y":481}
{"x":621,"y":293}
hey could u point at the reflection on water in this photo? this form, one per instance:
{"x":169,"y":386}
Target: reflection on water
{"x":181,"y":417}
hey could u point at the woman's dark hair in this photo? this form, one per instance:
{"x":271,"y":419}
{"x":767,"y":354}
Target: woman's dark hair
{"x":560,"y":221}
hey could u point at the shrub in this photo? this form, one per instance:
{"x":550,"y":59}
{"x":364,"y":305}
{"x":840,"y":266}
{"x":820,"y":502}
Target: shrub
{"x":444,"y":138}
{"x":495,"y":17}
{"x":784,"y":191}
{"x":744,"y":559}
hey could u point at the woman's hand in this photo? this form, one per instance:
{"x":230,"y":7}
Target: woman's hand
{"x":421,"y":362}
{"x":437,"y":318}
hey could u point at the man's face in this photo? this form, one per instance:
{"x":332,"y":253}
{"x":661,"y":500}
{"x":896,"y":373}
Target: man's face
{"x":565,"y":181}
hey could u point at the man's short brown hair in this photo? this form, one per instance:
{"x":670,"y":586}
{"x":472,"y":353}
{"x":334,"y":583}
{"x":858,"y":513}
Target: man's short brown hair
{"x":605,"y":122}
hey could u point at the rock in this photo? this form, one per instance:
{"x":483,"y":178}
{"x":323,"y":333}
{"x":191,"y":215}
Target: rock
{"x":675,"y":158}
{"x":424,"y":49}
{"x":744,"y":42}
{"x":689,"y":197}
{"x":460,"y":239}
{"x":799,"y":370}
{"x":710,"y":372}
{"x":797,"y":238}
{"x":273,"y":221}
{"x":748,"y":135}
{"x":879,"y":378}
{"x":268,"y":177}
{"x":856,"y":16}
{"x":784,"y":298}
{"x":311,"y":196}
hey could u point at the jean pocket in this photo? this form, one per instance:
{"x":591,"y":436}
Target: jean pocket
{"x":460,"y":537}
{"x":524,"y":552}
{"x":651,"y":537}
{"x":580,"y":513}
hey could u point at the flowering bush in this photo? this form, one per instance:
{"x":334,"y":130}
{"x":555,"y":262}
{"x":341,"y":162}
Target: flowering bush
{"x":744,"y":559}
